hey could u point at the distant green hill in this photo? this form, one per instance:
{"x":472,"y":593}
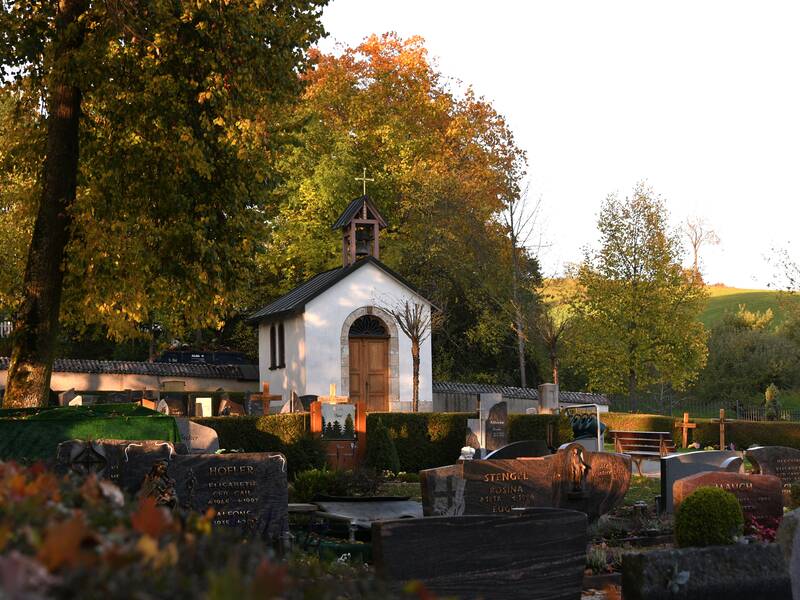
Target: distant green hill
{"x":726,"y":299}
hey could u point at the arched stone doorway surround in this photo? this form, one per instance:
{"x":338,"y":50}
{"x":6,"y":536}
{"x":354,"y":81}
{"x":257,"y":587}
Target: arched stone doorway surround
{"x":394,"y":352}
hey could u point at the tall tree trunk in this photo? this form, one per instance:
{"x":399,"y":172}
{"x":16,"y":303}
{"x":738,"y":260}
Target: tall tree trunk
{"x":554,"y":366}
{"x":518,"y":320}
{"x":36,"y":323}
{"x":415,"y":376}
{"x":632,"y":389}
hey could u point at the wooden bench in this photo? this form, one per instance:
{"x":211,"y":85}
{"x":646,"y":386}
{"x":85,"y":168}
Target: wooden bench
{"x":641,"y":445}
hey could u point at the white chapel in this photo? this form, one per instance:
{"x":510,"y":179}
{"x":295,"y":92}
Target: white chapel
{"x":335,"y":327}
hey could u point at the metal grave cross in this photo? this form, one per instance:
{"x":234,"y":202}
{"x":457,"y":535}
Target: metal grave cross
{"x":364,"y":179}
{"x":89,"y":461}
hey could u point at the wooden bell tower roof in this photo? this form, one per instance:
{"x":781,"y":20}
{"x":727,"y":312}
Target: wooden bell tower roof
{"x":362,"y":209}
{"x":361,"y":225}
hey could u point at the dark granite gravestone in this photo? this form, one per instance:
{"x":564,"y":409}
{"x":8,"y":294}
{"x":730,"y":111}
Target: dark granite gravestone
{"x":759,"y":495}
{"x":676,"y":466}
{"x":788,"y":539}
{"x":591,"y":482}
{"x":523,"y":449}
{"x":124,"y":462}
{"x":247,"y":490}
{"x":538,"y":554}
{"x":198,"y":439}
{"x":736,"y":572}
{"x":495,"y":425}
{"x":781,"y":461}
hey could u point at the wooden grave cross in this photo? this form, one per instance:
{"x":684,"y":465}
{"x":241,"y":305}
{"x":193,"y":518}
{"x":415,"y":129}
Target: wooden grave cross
{"x":265,"y":398}
{"x":722,"y":428}
{"x":686,"y":426}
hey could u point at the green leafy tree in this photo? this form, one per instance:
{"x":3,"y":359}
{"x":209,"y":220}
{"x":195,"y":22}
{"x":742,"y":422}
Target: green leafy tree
{"x":745,"y":355}
{"x":178,"y":110}
{"x":637,"y":310}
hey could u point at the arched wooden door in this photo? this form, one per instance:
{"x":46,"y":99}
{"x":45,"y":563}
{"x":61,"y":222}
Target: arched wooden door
{"x":369,"y":363}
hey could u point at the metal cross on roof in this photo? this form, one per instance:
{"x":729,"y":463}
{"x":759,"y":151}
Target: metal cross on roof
{"x":364,"y":179}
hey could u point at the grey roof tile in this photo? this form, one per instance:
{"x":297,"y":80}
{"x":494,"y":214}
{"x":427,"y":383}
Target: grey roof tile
{"x":444,"y":387}
{"x":206,"y":371}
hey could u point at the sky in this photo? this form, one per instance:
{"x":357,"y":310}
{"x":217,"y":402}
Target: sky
{"x":700,"y":99}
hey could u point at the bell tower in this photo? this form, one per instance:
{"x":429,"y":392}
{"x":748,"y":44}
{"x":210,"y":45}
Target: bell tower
{"x":361,"y":224}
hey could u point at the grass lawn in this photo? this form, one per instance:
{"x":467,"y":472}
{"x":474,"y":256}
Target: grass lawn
{"x":642,"y":489}
{"x":725,"y":299}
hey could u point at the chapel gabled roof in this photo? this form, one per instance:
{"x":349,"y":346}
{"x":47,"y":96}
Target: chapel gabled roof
{"x":352,"y":210}
{"x":295,"y":301}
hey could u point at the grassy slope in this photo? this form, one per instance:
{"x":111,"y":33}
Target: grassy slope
{"x":725,"y":299}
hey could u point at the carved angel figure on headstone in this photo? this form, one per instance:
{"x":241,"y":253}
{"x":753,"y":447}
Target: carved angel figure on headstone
{"x":578,"y":469}
{"x":160,"y":486}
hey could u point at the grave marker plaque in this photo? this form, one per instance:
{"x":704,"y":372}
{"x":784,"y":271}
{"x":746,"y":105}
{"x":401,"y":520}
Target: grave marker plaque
{"x":538,"y":554}
{"x":173,"y":407}
{"x":677,"y":466}
{"x":124,"y":462}
{"x":780,"y":461}
{"x":495,"y":426}
{"x":759,"y":495}
{"x":202,"y":407}
{"x":247,"y":490}
{"x":574,"y":478}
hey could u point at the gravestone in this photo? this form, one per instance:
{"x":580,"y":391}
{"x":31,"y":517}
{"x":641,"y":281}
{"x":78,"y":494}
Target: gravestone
{"x":64,"y":398}
{"x":198,"y":439}
{"x":247,"y":490}
{"x":679,"y":465}
{"x":494,"y":417}
{"x":591,"y":482}
{"x":124,"y":462}
{"x":489,"y":432}
{"x":173,"y":407}
{"x":537,"y":554}
{"x":788,"y":540}
{"x":229,"y":408}
{"x":781,"y":461}
{"x":735,"y":572}
{"x":202,"y":407}
{"x":522,"y":449}
{"x":759,"y":495}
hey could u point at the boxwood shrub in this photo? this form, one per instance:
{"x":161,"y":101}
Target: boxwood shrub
{"x":708,"y":517}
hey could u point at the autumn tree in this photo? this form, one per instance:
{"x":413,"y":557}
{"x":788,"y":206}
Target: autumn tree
{"x":637,"y":310}
{"x":178,"y":110}
{"x":444,"y":163}
{"x":699,"y":234}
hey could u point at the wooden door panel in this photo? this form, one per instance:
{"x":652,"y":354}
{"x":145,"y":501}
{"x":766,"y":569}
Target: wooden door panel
{"x":356,"y":379}
{"x":369,"y":372}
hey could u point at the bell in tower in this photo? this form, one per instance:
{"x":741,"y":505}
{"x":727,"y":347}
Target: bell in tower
{"x":361,"y":224}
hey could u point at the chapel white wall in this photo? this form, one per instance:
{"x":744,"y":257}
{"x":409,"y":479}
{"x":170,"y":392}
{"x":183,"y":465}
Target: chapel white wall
{"x":292,"y":377}
{"x":324,"y":316}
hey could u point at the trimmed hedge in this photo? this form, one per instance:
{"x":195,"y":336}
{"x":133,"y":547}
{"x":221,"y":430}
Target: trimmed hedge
{"x":422,"y":440}
{"x":741,"y":433}
{"x":428,"y":440}
{"x":273,"y":433}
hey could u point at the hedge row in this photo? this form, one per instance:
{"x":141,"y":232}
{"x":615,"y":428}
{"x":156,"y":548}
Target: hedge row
{"x":288,"y":434}
{"x":741,"y":433}
{"x":423,"y":440}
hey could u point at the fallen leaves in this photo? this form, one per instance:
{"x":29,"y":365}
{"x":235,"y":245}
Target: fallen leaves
{"x":69,"y":543}
{"x":150,"y":519}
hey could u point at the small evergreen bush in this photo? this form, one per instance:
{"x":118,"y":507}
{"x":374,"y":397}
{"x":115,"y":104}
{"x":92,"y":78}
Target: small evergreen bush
{"x":381,"y":451}
{"x":307,"y":485}
{"x":771,"y":403}
{"x":708,"y":517}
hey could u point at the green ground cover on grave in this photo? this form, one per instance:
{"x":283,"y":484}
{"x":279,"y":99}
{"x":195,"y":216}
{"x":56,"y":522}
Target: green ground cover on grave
{"x":34,"y":434}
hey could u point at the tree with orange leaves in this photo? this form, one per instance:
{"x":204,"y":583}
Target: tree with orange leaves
{"x":444,"y":165}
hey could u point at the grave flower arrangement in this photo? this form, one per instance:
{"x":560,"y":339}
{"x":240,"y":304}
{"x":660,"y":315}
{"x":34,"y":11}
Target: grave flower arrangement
{"x":61,"y":538}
